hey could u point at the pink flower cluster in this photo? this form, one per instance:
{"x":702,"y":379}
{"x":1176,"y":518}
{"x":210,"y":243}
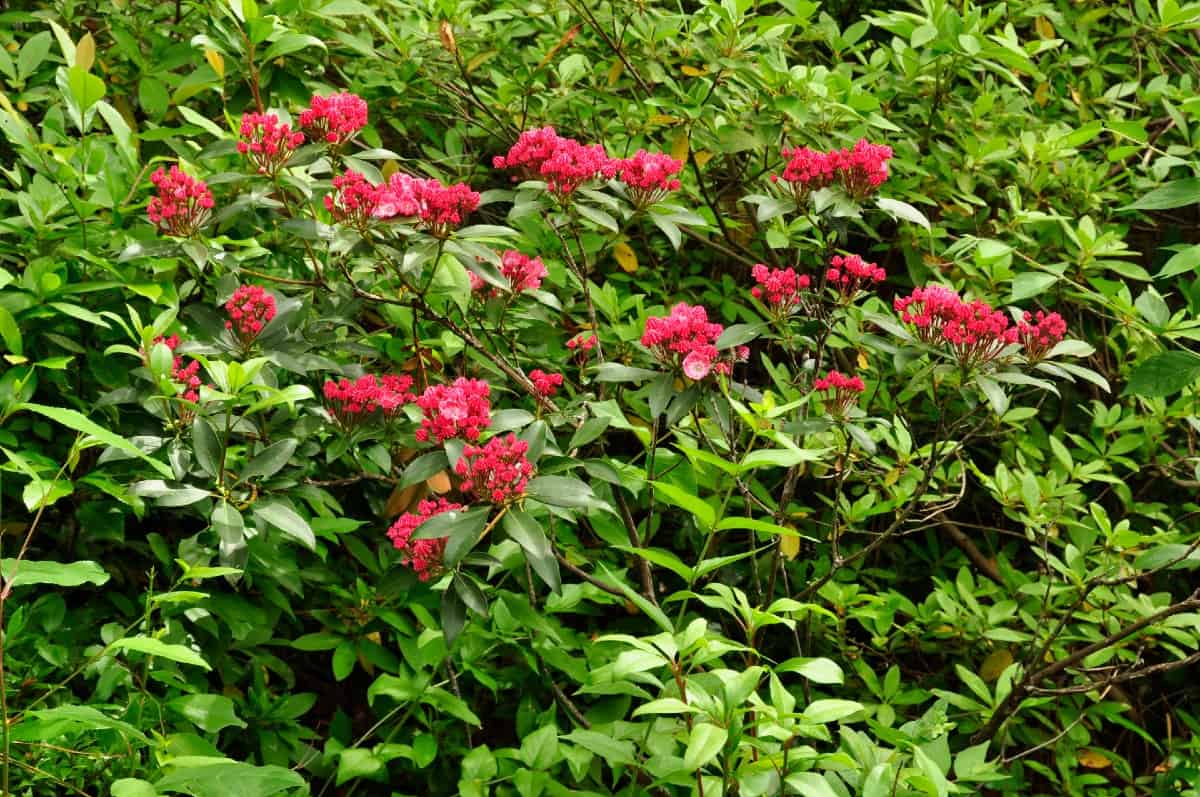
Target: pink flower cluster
{"x":461,"y":409}
{"x":423,"y":556}
{"x":250,"y":309}
{"x":859,"y":170}
{"x":497,"y":471}
{"x":581,"y":345}
{"x":524,"y":273}
{"x":334,"y":119}
{"x":845,"y":390}
{"x":267,"y":142}
{"x":779,"y":288}
{"x":182,"y":205}
{"x":352,"y":403}
{"x":563,"y":163}
{"x":648,"y":176}
{"x":806,"y":171}
{"x":545,"y":384}
{"x":1039,"y":333}
{"x":851,"y":274}
{"x":353,"y":200}
{"x":440,"y":208}
{"x":686,"y":338}
{"x":974,"y":332}
{"x":187,"y":376}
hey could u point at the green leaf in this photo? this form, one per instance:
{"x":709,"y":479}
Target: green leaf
{"x":133,"y":787}
{"x":530,"y":535}
{"x":344,"y":658}
{"x":292,"y":42}
{"x":357,"y":762}
{"x":738,"y":335}
{"x":270,"y":460}
{"x":90,"y":718}
{"x":10,"y":333}
{"x":615,"y":752}
{"x":1028,"y":284}
{"x":165,"y":650}
{"x":1163,"y":374}
{"x":700,"y":509}
{"x":810,"y":784}
{"x":80,"y":423}
{"x":59,"y":574}
{"x":781,"y":457}
{"x":1181,"y":263}
{"x":209,"y":713}
{"x":704,"y":744}
{"x":940,"y":786}
{"x":615,"y":372}
{"x":423,"y":467}
{"x":563,"y":491}
{"x":284,"y":517}
{"x":820,"y":670}
{"x":86,"y":89}
{"x":207,"y":446}
{"x":902,"y":210}
{"x":202,"y":776}
{"x":1175,"y":194}
{"x":823,"y":711}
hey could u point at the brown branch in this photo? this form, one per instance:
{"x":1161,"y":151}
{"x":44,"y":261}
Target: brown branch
{"x":985,"y":565}
{"x":1027,"y":683}
{"x":589,"y":578}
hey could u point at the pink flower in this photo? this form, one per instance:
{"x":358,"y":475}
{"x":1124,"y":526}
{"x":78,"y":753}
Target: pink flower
{"x":851,"y":274}
{"x":563,"y":163}
{"x":582,"y":344}
{"x":334,"y":119}
{"x":533,"y":148}
{"x":523,"y":273}
{"x":461,"y":409}
{"x":545,"y":384}
{"x":185,"y":376}
{"x":182,"y":205}
{"x":354,"y":200}
{"x":974,"y":332}
{"x":846,"y":390}
{"x":686,"y":338}
{"x":805,"y":172}
{"x":496,"y":472}
{"x":648,"y":177}
{"x":267,"y":142}
{"x":860,"y":170}
{"x":779,"y":288}
{"x":440,"y":208}
{"x":423,"y":556}
{"x":249,"y":309}
{"x":863,"y":169}
{"x":1039,"y":333}
{"x":352,"y":403}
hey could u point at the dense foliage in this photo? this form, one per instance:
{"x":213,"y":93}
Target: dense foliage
{"x":583,"y":398}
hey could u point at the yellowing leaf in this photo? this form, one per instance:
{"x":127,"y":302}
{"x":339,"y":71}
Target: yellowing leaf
{"x":439,"y":482}
{"x":694,"y":71}
{"x":1044,"y":27}
{"x":85,"y":52}
{"x":1041,"y":95}
{"x":1093,"y":759}
{"x":216,"y":61}
{"x":679,"y":147}
{"x":789,"y":546}
{"x":662,"y":119}
{"x":390,"y":168}
{"x":862,"y":361}
{"x":626,"y":257}
{"x":995,"y":664}
{"x":702,"y":157}
{"x":614,"y":72}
